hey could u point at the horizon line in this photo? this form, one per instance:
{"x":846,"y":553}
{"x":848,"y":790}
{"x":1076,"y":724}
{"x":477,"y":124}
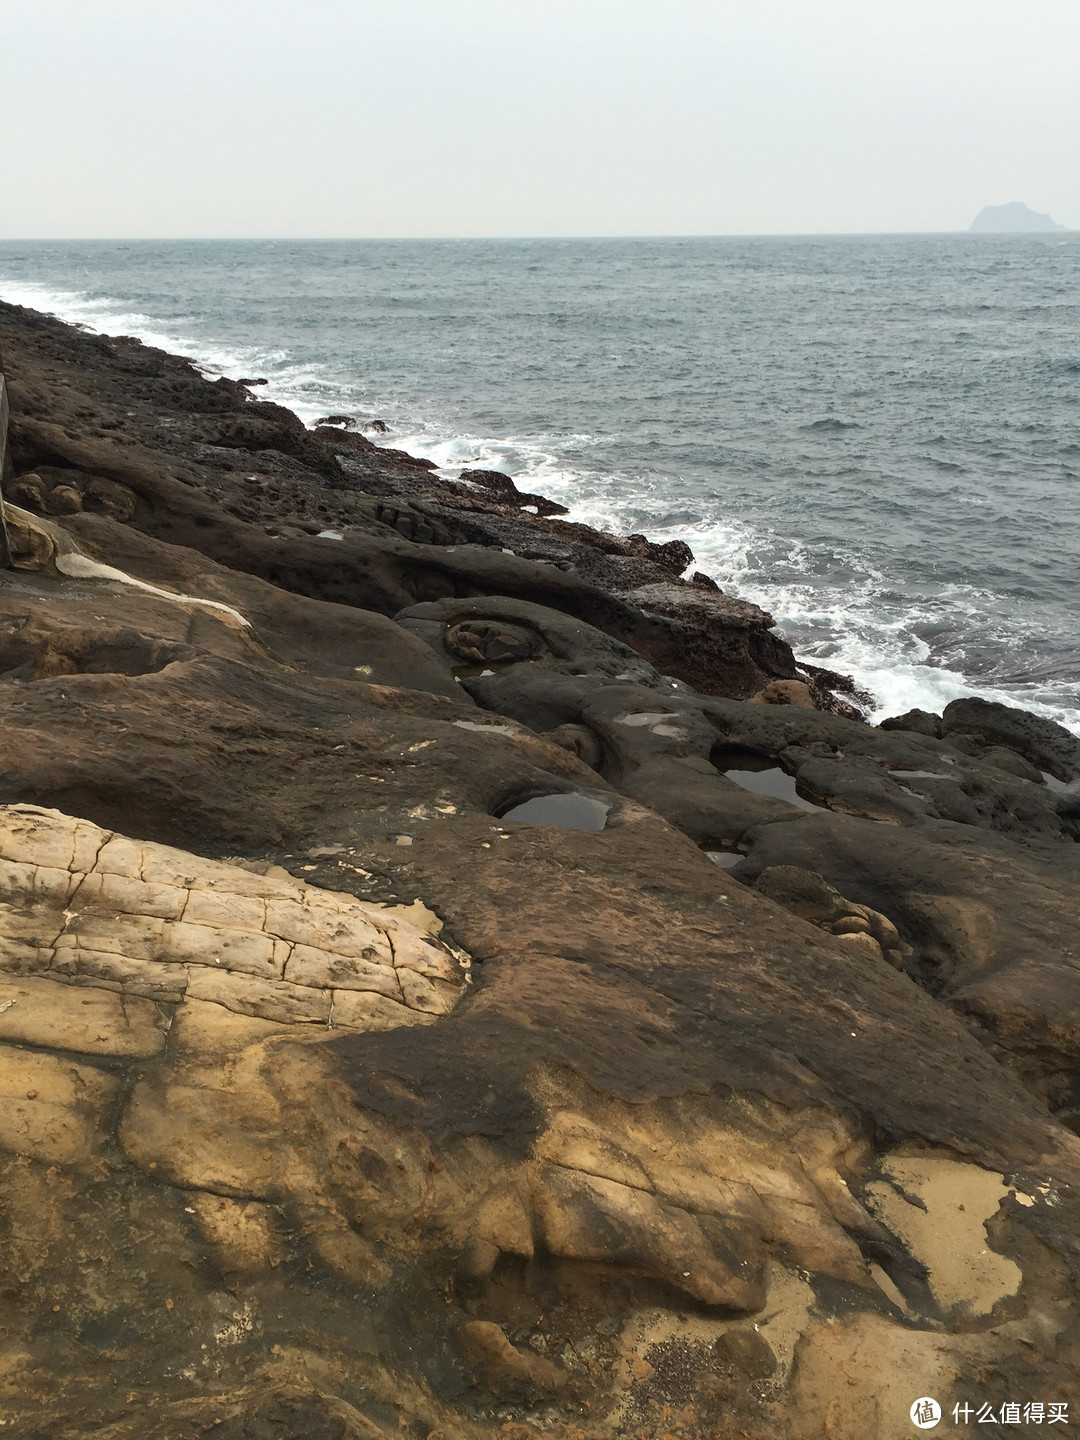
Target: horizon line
{"x":444,"y":239}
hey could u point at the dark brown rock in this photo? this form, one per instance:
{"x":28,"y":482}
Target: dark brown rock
{"x":1042,"y":742}
{"x":921,"y":722}
{"x":27,"y":492}
{"x":108,"y":498}
{"x":64,"y":500}
{"x":503,"y":487}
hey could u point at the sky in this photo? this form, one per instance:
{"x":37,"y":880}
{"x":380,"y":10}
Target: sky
{"x":348,"y":118}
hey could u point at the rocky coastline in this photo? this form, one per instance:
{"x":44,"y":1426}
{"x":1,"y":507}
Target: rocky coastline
{"x":739,"y":1097}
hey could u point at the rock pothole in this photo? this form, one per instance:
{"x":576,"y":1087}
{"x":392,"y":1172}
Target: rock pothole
{"x":570,"y":809}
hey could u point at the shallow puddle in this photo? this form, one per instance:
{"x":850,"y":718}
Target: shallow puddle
{"x":646,"y":717}
{"x":774,"y":782}
{"x":918,"y":775}
{"x":575,"y":812}
{"x":726,"y":859}
{"x":489,"y":728}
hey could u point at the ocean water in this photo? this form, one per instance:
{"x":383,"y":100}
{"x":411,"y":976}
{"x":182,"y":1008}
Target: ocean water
{"x":875,"y":438}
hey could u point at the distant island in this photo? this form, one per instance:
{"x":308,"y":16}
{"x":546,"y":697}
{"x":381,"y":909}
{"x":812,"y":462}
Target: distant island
{"x":1014,"y":217}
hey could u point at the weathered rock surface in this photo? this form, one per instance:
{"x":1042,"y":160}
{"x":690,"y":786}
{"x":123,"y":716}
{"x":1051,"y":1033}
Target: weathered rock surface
{"x":334,"y":1103}
{"x":598,"y":1123}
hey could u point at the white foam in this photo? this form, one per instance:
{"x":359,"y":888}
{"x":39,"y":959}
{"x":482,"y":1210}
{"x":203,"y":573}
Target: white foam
{"x":856,"y":628}
{"x":109,"y":316}
{"x":862,"y":629}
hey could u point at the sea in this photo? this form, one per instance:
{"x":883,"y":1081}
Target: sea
{"x":876,"y":438}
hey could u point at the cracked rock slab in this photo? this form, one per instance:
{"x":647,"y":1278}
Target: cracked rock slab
{"x":98,"y":932}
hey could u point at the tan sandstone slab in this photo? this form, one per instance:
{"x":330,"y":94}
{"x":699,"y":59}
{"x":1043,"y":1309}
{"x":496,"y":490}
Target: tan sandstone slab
{"x":308,"y":966}
{"x":366,"y":1010}
{"x":153,"y":980}
{"x":32,"y":836}
{"x":155,"y":924}
{"x":52,"y":1108}
{"x":205,"y":1139}
{"x":21,"y":880}
{"x":250,"y":996}
{"x":72,"y":1017}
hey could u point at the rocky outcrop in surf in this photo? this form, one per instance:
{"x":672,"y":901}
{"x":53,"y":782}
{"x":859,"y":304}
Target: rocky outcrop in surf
{"x":738,"y":1099}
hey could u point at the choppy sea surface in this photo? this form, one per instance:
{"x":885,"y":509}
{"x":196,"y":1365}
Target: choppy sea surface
{"x":875,"y":438}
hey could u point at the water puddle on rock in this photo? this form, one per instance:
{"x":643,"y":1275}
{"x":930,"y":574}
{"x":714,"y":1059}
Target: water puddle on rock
{"x":774,"y":782}
{"x":646,"y":717}
{"x":918,"y":775}
{"x":660,"y":722}
{"x":493,"y":728}
{"x":726,"y":859}
{"x":1053,"y":783}
{"x":573,"y":811}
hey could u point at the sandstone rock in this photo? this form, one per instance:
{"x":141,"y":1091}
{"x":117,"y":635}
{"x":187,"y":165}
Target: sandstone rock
{"x":106,"y":496}
{"x":26,"y":492}
{"x":502,"y":630}
{"x":785,"y":692}
{"x":580,"y":741}
{"x":850,"y":925}
{"x":921,"y":722}
{"x":804,"y":893}
{"x":63,"y":500}
{"x":40,"y":1011}
{"x":53,"y":1109}
{"x":30,"y":544}
{"x":507,"y":1372}
{"x":862,"y":940}
{"x":245,"y":1234}
{"x":144,"y":921}
{"x":503,"y":487}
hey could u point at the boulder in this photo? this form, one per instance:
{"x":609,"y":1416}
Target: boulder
{"x":507,"y":493}
{"x":785,"y":692}
{"x":1043,"y":743}
{"x":920,"y":722}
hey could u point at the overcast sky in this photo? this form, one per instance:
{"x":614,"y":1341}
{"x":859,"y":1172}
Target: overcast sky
{"x":533,"y":117}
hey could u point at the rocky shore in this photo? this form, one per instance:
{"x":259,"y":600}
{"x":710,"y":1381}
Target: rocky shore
{"x":460,"y":979}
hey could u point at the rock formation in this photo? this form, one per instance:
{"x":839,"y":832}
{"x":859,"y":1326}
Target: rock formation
{"x":338,"y":1102}
{"x":1014,"y":218}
